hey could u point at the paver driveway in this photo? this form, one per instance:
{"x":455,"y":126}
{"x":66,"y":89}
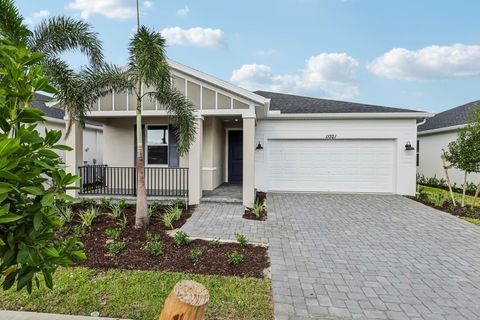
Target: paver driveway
{"x":356,"y":256}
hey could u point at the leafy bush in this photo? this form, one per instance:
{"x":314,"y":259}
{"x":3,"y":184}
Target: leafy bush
{"x":438,"y":199}
{"x":181,"y":239}
{"x":115,"y":247}
{"x":113,"y":233}
{"x":258,"y":208}
{"x":87,"y":216}
{"x":85,"y":202}
{"x":33,"y":182}
{"x":154,"y":245}
{"x":122,"y":223}
{"x":241,"y":239}
{"x":66,"y":215}
{"x":105,"y":203}
{"x":215,"y":243}
{"x":78,"y":231}
{"x":196,"y":254}
{"x":179,"y":203}
{"x":168,"y":219}
{"x":157,"y":206}
{"x":116,"y":210}
{"x":423,"y":195}
{"x":175,"y":212}
{"x":235,"y":258}
{"x":122,"y":204}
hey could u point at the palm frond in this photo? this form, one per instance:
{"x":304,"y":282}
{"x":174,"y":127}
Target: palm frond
{"x":59,"y":34}
{"x":11,"y":23}
{"x":102,"y":80}
{"x":148,"y":59}
{"x":182,"y":112}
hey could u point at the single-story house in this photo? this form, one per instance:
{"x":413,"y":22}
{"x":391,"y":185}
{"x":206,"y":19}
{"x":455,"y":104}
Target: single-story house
{"x":260,"y":141}
{"x":435,"y":134}
{"x":55,"y":120}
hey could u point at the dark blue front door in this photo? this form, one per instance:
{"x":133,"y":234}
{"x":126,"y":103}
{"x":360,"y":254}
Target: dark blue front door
{"x":235,"y":156}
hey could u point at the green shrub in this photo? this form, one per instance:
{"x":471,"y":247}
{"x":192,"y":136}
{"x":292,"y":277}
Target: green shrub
{"x":87,"y":216}
{"x":115,"y":247}
{"x":113,"y":233}
{"x":259,"y":208}
{"x":105,"y":203}
{"x":196,"y":254}
{"x":235,"y":258}
{"x":181,"y":238}
{"x":85,"y":202}
{"x":215,"y":243}
{"x":175,"y":212}
{"x":157,"y":206}
{"x":423,"y":195}
{"x":116,"y":210}
{"x":168,"y":219}
{"x":241,"y":239}
{"x":66,"y":215}
{"x":122,"y":204}
{"x":179,"y":203}
{"x":154,"y":245}
{"x":122,"y":222}
{"x":78,"y":231}
{"x":438,"y":199}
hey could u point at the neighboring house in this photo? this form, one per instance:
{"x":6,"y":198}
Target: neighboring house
{"x":260,"y":140}
{"x":435,"y":134}
{"x":55,"y":120}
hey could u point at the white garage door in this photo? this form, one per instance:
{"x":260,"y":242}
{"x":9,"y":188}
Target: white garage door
{"x":331,"y":165}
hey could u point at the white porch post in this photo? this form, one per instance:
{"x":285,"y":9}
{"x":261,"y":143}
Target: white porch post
{"x":195,"y":165}
{"x":74,"y":158}
{"x":248,"y":159}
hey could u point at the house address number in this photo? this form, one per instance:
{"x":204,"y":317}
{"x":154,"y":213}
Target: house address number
{"x":331,"y":136}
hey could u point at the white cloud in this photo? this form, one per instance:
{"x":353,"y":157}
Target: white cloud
{"x":201,"y":37}
{"x":264,"y":53}
{"x":114,"y":9}
{"x":330,"y":75}
{"x":148,"y":4}
{"x":37,"y":17}
{"x":429,"y":63}
{"x":183,"y":11}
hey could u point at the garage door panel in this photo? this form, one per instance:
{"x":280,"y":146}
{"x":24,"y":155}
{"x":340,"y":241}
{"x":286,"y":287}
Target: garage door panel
{"x":324,"y":165}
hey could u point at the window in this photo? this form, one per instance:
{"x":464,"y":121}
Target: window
{"x":418,"y":153}
{"x":157,"y":145}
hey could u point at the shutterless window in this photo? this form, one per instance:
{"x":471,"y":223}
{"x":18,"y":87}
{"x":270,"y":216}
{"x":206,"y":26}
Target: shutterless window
{"x":157,"y":145}
{"x":418,"y":153}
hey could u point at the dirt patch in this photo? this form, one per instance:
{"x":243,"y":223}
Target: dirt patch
{"x":214,"y":260}
{"x":458,"y":211}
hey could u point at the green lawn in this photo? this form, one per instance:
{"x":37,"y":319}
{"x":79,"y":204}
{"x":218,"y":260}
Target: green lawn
{"x":140,"y":294}
{"x":446,"y":193}
{"x":475,"y":221}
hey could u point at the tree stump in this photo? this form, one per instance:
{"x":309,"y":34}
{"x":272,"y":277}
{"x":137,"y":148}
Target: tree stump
{"x":187,"y":301}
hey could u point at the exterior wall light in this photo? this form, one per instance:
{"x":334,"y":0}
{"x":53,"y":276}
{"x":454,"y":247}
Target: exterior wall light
{"x":259,"y":146}
{"x":408,"y":146}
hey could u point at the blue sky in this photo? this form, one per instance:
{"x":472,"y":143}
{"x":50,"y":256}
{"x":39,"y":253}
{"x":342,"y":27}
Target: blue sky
{"x":415,"y":54}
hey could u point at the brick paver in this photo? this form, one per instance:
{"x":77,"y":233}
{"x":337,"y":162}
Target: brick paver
{"x":351,"y":256}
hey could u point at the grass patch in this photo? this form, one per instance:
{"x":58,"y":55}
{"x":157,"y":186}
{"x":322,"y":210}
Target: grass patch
{"x":446,"y":193}
{"x":475,"y":221}
{"x":140,"y":295}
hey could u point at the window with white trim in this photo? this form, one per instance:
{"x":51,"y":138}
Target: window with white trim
{"x":157,"y":145}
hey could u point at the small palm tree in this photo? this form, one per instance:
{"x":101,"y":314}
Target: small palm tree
{"x":147,"y":68}
{"x":53,"y":37}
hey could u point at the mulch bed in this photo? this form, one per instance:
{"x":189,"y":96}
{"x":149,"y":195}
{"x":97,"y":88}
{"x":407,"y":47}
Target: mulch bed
{"x":456,"y":211}
{"x":261,"y":197}
{"x":176,"y":259}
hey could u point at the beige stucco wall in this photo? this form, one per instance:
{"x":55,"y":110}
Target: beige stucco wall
{"x":119,"y":137}
{"x":430,"y":163}
{"x":213,"y":155}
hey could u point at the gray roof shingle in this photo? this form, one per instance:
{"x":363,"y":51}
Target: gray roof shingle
{"x":453,"y":117}
{"x":288,"y":103}
{"x":40,"y":101}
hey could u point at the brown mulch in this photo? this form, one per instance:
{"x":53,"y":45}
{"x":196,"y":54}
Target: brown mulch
{"x":248,"y":214}
{"x":176,"y":259}
{"x":456,"y":211}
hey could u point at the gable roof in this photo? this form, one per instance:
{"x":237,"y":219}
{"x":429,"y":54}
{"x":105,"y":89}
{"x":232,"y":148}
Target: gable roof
{"x":453,"y":117}
{"x":291,"y":104}
{"x":40,"y":101}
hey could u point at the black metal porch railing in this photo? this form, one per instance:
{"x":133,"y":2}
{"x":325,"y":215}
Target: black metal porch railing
{"x":105,"y":180}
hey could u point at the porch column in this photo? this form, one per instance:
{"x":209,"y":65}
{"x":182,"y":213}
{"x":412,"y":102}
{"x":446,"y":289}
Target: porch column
{"x":195,"y":165}
{"x":248,"y":159}
{"x":74,"y":158}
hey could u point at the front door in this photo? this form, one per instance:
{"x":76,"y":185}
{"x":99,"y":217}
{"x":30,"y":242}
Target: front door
{"x":235,"y":156}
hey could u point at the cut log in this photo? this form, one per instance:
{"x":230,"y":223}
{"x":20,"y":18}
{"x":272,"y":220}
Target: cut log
{"x":187,"y":301}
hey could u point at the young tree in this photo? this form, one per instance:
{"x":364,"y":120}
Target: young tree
{"x":32,"y":185}
{"x":464,"y":153}
{"x":147,"y":68}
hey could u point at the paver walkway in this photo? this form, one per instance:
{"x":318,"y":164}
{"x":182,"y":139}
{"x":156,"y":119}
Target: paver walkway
{"x":350,"y":256}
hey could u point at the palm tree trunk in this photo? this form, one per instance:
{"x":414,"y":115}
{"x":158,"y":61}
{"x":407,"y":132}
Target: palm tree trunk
{"x":141,"y":216}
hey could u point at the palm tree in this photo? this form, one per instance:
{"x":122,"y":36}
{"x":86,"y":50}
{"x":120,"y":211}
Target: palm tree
{"x":53,"y":37}
{"x":147,"y":68}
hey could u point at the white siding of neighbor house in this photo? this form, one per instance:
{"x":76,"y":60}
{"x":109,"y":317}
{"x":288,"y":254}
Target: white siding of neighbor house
{"x":92,"y":139}
{"x":398,"y":130}
{"x":430,"y":163}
